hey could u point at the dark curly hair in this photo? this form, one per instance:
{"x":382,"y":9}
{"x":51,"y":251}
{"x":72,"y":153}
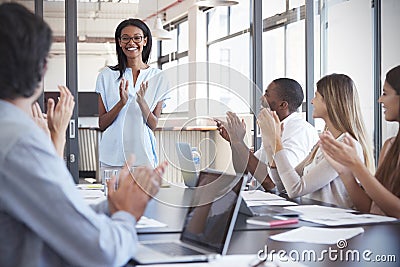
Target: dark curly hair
{"x":290,"y":91}
{"x":121,"y":66}
{"x":24,"y":46}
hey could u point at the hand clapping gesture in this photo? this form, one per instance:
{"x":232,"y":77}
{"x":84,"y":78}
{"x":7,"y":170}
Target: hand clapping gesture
{"x":58,"y":116}
{"x":271,"y":129}
{"x":56,"y":122}
{"x":142,"y":92}
{"x":222,"y":129}
{"x":135,"y":190}
{"x":235,"y":127}
{"x":341,"y":155}
{"x":40,"y":118}
{"x":124,"y":91}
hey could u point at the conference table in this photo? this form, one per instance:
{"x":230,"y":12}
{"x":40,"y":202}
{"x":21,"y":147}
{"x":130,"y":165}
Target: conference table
{"x":378,"y":245}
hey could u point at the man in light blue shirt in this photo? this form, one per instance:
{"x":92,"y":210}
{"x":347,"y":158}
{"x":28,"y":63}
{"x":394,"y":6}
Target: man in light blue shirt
{"x":44,"y":220}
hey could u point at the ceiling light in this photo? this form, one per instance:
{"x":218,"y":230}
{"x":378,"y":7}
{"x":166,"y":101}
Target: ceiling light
{"x":158,"y":31}
{"x":214,"y":3}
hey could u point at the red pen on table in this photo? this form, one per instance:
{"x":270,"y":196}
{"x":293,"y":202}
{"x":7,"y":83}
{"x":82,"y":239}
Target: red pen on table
{"x":264,"y":221}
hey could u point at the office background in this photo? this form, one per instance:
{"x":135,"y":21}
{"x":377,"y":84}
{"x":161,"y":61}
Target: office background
{"x":262,"y":40}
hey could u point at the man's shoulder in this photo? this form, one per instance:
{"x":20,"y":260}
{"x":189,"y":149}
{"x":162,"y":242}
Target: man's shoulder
{"x":296,"y":121}
{"x":16,"y":127}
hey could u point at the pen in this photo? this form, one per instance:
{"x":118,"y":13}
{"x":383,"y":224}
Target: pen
{"x":283,"y":222}
{"x":272,"y":223}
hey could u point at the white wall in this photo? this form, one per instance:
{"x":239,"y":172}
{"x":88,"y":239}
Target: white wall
{"x":91,"y":59}
{"x":350,"y":50}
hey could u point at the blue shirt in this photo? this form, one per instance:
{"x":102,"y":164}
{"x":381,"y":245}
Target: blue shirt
{"x":129,"y":133}
{"x":44,"y":221}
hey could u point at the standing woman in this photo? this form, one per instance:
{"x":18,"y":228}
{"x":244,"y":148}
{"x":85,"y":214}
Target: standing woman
{"x":131,"y":97}
{"x":336,"y":102}
{"x":379,"y":194}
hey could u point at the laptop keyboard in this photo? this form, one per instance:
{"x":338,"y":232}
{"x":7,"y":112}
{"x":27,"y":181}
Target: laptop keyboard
{"x":173,"y":249}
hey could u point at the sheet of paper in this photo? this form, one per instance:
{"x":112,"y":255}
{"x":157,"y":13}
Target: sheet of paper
{"x":146,"y":222}
{"x":93,"y":196}
{"x":317,"y":235}
{"x":237,"y":261}
{"x":321,"y":210}
{"x":336,"y":219}
{"x":253,"y":203}
{"x":90,"y":186}
{"x":259,"y":195}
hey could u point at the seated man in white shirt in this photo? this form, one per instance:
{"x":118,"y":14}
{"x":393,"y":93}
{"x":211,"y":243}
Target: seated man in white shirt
{"x":44,"y":221}
{"x":284,"y":96}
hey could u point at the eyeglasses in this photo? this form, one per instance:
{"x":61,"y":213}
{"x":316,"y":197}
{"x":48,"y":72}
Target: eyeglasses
{"x":126,"y":38}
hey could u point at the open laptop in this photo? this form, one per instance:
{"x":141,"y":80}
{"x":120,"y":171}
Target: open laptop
{"x":266,"y":210}
{"x":208,"y":225}
{"x":186,"y":164}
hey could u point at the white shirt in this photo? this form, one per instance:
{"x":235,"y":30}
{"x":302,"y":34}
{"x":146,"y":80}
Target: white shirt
{"x":317,"y":180}
{"x":129,"y":133}
{"x":298,"y":139}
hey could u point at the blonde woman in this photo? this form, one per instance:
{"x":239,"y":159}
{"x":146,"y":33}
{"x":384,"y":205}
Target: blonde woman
{"x":336,"y":102}
{"x":379,"y":194}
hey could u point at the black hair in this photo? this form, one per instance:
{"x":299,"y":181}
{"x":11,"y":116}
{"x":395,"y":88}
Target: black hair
{"x":290,"y":91}
{"x":24,"y":46}
{"x":121,"y":66}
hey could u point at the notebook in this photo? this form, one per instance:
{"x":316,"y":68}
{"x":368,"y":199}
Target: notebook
{"x":208,"y":225}
{"x":186,"y":164}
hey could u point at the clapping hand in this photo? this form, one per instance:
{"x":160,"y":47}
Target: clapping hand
{"x":271,"y":128}
{"x":58,"y":116}
{"x":123,"y":91}
{"x":135,"y":189}
{"x":142,"y":92}
{"x":56,"y":121}
{"x":233,"y":129}
{"x":340,"y":154}
{"x":40,"y":118}
{"x":222,"y":129}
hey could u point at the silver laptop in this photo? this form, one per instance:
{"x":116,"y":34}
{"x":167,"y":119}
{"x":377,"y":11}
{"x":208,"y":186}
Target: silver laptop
{"x":208,"y":225}
{"x":186,"y":164}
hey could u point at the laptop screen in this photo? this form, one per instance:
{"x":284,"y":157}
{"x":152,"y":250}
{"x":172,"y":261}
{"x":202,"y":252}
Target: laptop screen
{"x":209,"y":219}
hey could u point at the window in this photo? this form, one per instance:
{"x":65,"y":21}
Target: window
{"x":183,"y":37}
{"x":217,"y":23}
{"x":283,"y":43}
{"x":174,"y":53}
{"x":239,"y":17}
{"x":233,"y":52}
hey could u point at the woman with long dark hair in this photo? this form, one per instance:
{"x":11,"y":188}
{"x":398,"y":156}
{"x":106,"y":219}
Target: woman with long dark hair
{"x":379,"y":194}
{"x":131,"y":97}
